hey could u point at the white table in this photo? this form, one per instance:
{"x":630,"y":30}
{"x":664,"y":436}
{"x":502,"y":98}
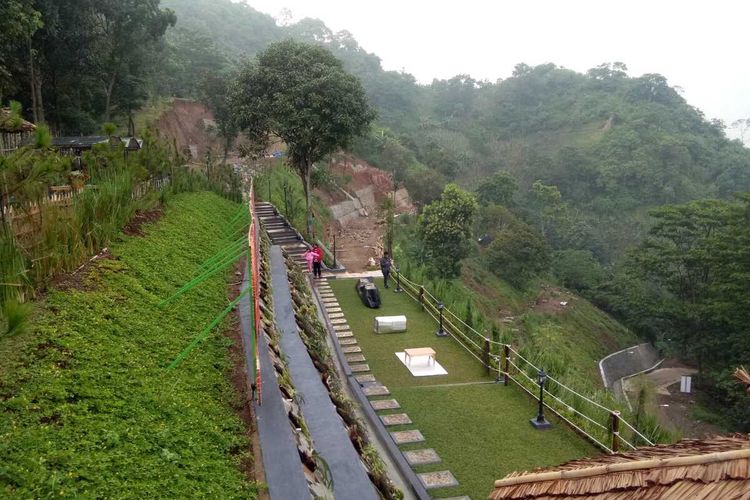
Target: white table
{"x":420,"y":351}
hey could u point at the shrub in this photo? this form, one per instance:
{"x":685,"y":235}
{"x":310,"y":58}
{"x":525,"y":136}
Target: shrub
{"x":518,"y":254}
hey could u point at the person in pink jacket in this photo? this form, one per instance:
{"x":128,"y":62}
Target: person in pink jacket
{"x":310,"y":258}
{"x":317,"y":261}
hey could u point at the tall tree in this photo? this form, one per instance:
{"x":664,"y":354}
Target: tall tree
{"x":445,"y":229}
{"x":678,"y":257}
{"x":126,"y":32}
{"x":301,"y":94}
{"x":18,"y":22}
{"x":214,"y":91}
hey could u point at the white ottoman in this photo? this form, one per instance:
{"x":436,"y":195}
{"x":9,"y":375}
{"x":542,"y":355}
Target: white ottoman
{"x":389,"y":324}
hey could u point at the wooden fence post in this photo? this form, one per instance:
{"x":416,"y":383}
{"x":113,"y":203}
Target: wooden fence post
{"x":615,"y":431}
{"x":506,"y":363}
{"x":486,"y":355}
{"x":421,"y":296}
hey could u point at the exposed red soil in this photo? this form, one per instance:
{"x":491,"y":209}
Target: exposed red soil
{"x":359,"y":175}
{"x":360,"y":238}
{"x":243,"y":405}
{"x":186,"y":123}
{"x":135,"y":226}
{"x":358,"y":241}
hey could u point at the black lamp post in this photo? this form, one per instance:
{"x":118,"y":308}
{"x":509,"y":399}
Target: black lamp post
{"x":335,"y":265}
{"x":441,"y":332}
{"x":539,"y":422}
{"x":398,"y":288}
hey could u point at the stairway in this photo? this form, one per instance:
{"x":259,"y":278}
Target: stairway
{"x":281,"y":233}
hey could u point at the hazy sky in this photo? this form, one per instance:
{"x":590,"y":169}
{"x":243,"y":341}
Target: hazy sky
{"x":701,"y":46}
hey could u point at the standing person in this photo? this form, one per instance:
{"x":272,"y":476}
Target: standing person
{"x":385,"y":267}
{"x":309,"y":256}
{"x":317,"y":261}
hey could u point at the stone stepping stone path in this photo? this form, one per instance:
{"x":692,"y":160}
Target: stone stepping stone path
{"x":404,"y":437}
{"x":422,"y":457}
{"x":440,"y":479}
{"x":374,"y":389}
{"x":371,"y":388}
{"x":384,"y":404}
{"x":396,"y":419}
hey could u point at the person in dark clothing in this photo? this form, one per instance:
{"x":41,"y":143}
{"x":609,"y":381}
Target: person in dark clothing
{"x":385,"y":267}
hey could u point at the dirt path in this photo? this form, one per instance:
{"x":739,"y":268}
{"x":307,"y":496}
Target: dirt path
{"x":356,"y":243}
{"x":357,"y":206}
{"x":673,"y":408}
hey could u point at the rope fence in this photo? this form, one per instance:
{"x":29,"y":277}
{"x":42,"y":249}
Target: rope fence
{"x":591,"y":419}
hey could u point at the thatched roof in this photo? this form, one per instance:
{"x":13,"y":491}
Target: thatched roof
{"x":717,"y":468}
{"x":7,"y":125}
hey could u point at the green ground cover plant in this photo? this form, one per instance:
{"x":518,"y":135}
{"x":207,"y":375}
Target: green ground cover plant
{"x":480,"y":429}
{"x":87,"y":407}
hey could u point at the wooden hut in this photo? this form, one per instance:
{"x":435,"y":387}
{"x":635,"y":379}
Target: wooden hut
{"x":13,"y":133}
{"x":716,"y":468}
{"x":76,"y":145}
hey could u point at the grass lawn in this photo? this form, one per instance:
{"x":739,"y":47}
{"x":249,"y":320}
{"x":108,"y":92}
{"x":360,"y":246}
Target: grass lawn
{"x":87,"y":407}
{"x":480,"y":429}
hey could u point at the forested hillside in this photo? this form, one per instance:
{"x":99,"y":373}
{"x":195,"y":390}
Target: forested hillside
{"x":613,"y":145}
{"x":566,"y":167}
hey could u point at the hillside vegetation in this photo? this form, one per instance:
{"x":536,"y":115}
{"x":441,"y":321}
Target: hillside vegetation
{"x":568,"y":169}
{"x":606,"y":183}
{"x":87,"y":406}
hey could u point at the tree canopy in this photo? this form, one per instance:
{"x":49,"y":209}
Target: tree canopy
{"x":445,"y":229}
{"x":75,"y":62}
{"x":301,"y":94}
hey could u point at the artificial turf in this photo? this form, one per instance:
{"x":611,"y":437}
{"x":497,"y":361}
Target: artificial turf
{"x":480,"y":429}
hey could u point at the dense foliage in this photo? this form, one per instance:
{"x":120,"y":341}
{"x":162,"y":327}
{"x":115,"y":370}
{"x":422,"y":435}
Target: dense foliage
{"x":696,"y":260}
{"x":87,"y":408}
{"x":74,"y":63}
{"x":300,"y":93}
{"x":445,"y":230}
{"x":578,"y":160}
{"x":40,"y":238}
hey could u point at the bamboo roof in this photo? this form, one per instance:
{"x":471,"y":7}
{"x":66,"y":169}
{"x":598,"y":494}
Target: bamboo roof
{"x":716,"y":468}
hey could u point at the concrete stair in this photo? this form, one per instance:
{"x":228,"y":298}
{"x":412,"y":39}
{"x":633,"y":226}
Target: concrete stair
{"x":280,"y":232}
